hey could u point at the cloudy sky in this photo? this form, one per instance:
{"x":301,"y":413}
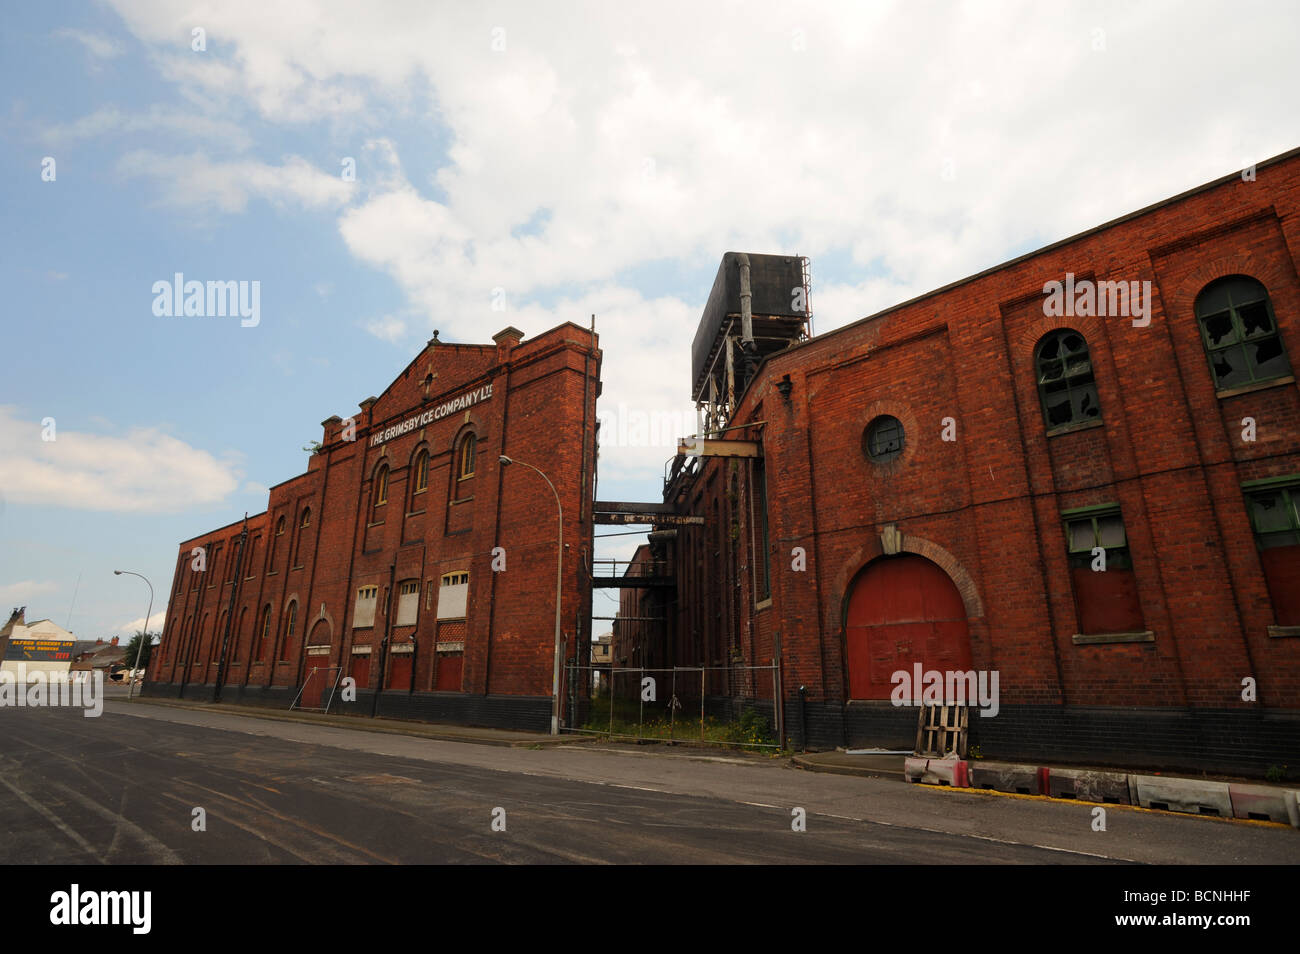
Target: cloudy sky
{"x":551,"y":160}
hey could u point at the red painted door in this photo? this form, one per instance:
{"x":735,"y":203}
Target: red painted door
{"x":315,"y":681}
{"x":449,"y":669}
{"x":361,"y":671}
{"x":903,"y":610}
{"x":399,"y":671}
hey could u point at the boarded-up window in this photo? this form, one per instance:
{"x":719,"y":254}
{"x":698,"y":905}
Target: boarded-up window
{"x":367,"y":596}
{"x":453,"y":596}
{"x":408,"y":603}
{"x":1275,"y":518}
{"x":1105,"y":591}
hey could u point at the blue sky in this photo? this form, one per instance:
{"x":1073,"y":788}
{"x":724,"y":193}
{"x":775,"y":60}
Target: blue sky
{"x":589,"y":159}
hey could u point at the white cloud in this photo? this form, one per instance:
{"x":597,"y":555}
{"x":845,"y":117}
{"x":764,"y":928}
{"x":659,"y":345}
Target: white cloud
{"x":19,"y":593}
{"x":638,"y":139}
{"x":156,"y":622}
{"x":99,"y":46}
{"x":919,"y":145}
{"x":144,"y":471}
{"x":195,"y":181}
{"x":107,"y":120}
{"x":389,"y":328}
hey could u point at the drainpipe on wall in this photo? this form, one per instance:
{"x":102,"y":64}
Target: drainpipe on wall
{"x":230,"y":612}
{"x":383,"y":643}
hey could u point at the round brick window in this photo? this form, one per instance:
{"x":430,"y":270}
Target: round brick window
{"x":883,"y":440}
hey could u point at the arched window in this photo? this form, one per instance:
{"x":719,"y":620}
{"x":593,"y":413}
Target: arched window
{"x":1240,"y":333}
{"x":264,"y":634}
{"x":275,"y":545}
{"x":303,"y":524}
{"x":291,"y":620}
{"x":465,"y":466}
{"x":379,"y":494}
{"x":1066,"y":384}
{"x":421,"y":472}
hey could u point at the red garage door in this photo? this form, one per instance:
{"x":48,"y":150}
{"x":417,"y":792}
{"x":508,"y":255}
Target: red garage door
{"x":903,"y":610}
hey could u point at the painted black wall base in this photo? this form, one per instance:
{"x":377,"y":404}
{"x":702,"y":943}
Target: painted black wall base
{"x":1223,"y":741}
{"x":521,"y":713}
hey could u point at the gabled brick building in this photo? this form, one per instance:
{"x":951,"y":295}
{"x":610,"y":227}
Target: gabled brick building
{"x":407,"y":555}
{"x":934,"y":484}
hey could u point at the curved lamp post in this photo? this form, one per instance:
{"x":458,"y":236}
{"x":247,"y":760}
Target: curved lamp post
{"x":130,"y":683}
{"x":559,"y":583}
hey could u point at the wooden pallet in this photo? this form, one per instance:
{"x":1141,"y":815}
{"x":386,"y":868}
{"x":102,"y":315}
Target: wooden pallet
{"x":941,"y":730}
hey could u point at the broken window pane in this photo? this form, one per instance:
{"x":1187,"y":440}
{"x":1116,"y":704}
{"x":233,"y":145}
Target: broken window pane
{"x":1065,"y":379}
{"x":1219,"y":330}
{"x":1058,"y":410}
{"x":884,"y":438}
{"x":1255,"y":319}
{"x":1270,"y":359}
{"x":1230,"y":368}
{"x":1050,"y":371}
{"x":1086,"y":406}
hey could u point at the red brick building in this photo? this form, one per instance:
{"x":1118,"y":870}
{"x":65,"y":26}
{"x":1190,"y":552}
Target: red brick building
{"x":407,"y":555}
{"x":934,"y":484}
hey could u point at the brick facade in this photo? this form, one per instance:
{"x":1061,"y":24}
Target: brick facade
{"x":373,"y":511}
{"x":988,"y":507}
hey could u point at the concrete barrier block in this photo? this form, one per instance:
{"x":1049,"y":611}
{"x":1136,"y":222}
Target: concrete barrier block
{"x":914,"y":768}
{"x":1261,"y":802}
{"x":1006,"y":777}
{"x":1107,"y":788}
{"x":954,"y":772}
{"x":1293,"y":808}
{"x":1189,"y":795}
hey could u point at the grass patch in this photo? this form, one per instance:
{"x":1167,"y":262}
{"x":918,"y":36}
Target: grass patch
{"x":652,"y":721}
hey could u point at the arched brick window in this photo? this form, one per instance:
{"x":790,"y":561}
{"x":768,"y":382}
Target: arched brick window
{"x":1067,"y":387}
{"x":379,"y":494}
{"x":421,"y":480}
{"x":465,"y":458}
{"x":1240,"y":333}
{"x":290,"y":623}
{"x":264,"y":633}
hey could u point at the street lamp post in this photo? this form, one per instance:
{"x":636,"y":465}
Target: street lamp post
{"x":130,"y":683}
{"x":559,"y":584}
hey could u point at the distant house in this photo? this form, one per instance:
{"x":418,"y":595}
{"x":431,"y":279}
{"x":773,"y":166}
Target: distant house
{"x":601,"y":656}
{"x":41,"y":645}
{"x":108,"y":657}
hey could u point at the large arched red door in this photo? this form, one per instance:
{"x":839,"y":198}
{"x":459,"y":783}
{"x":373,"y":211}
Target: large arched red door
{"x":903,"y":610}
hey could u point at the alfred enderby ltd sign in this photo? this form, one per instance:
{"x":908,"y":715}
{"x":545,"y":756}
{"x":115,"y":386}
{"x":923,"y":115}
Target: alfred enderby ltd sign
{"x":437,"y":413}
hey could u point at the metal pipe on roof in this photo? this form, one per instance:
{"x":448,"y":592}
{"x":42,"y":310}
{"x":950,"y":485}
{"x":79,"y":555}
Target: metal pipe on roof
{"x":746,"y":313}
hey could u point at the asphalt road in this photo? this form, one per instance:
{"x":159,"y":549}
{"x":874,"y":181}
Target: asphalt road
{"x":123,"y":789}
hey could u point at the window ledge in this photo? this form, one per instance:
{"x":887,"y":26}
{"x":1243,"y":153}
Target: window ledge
{"x":1088,"y":640}
{"x":462,"y":500}
{"x":1278,"y":632}
{"x":763,"y":604}
{"x":1257,"y":386}
{"x":414,"y":513}
{"x":1071,"y":428}
{"x":298,"y":567}
{"x":377,"y":523}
